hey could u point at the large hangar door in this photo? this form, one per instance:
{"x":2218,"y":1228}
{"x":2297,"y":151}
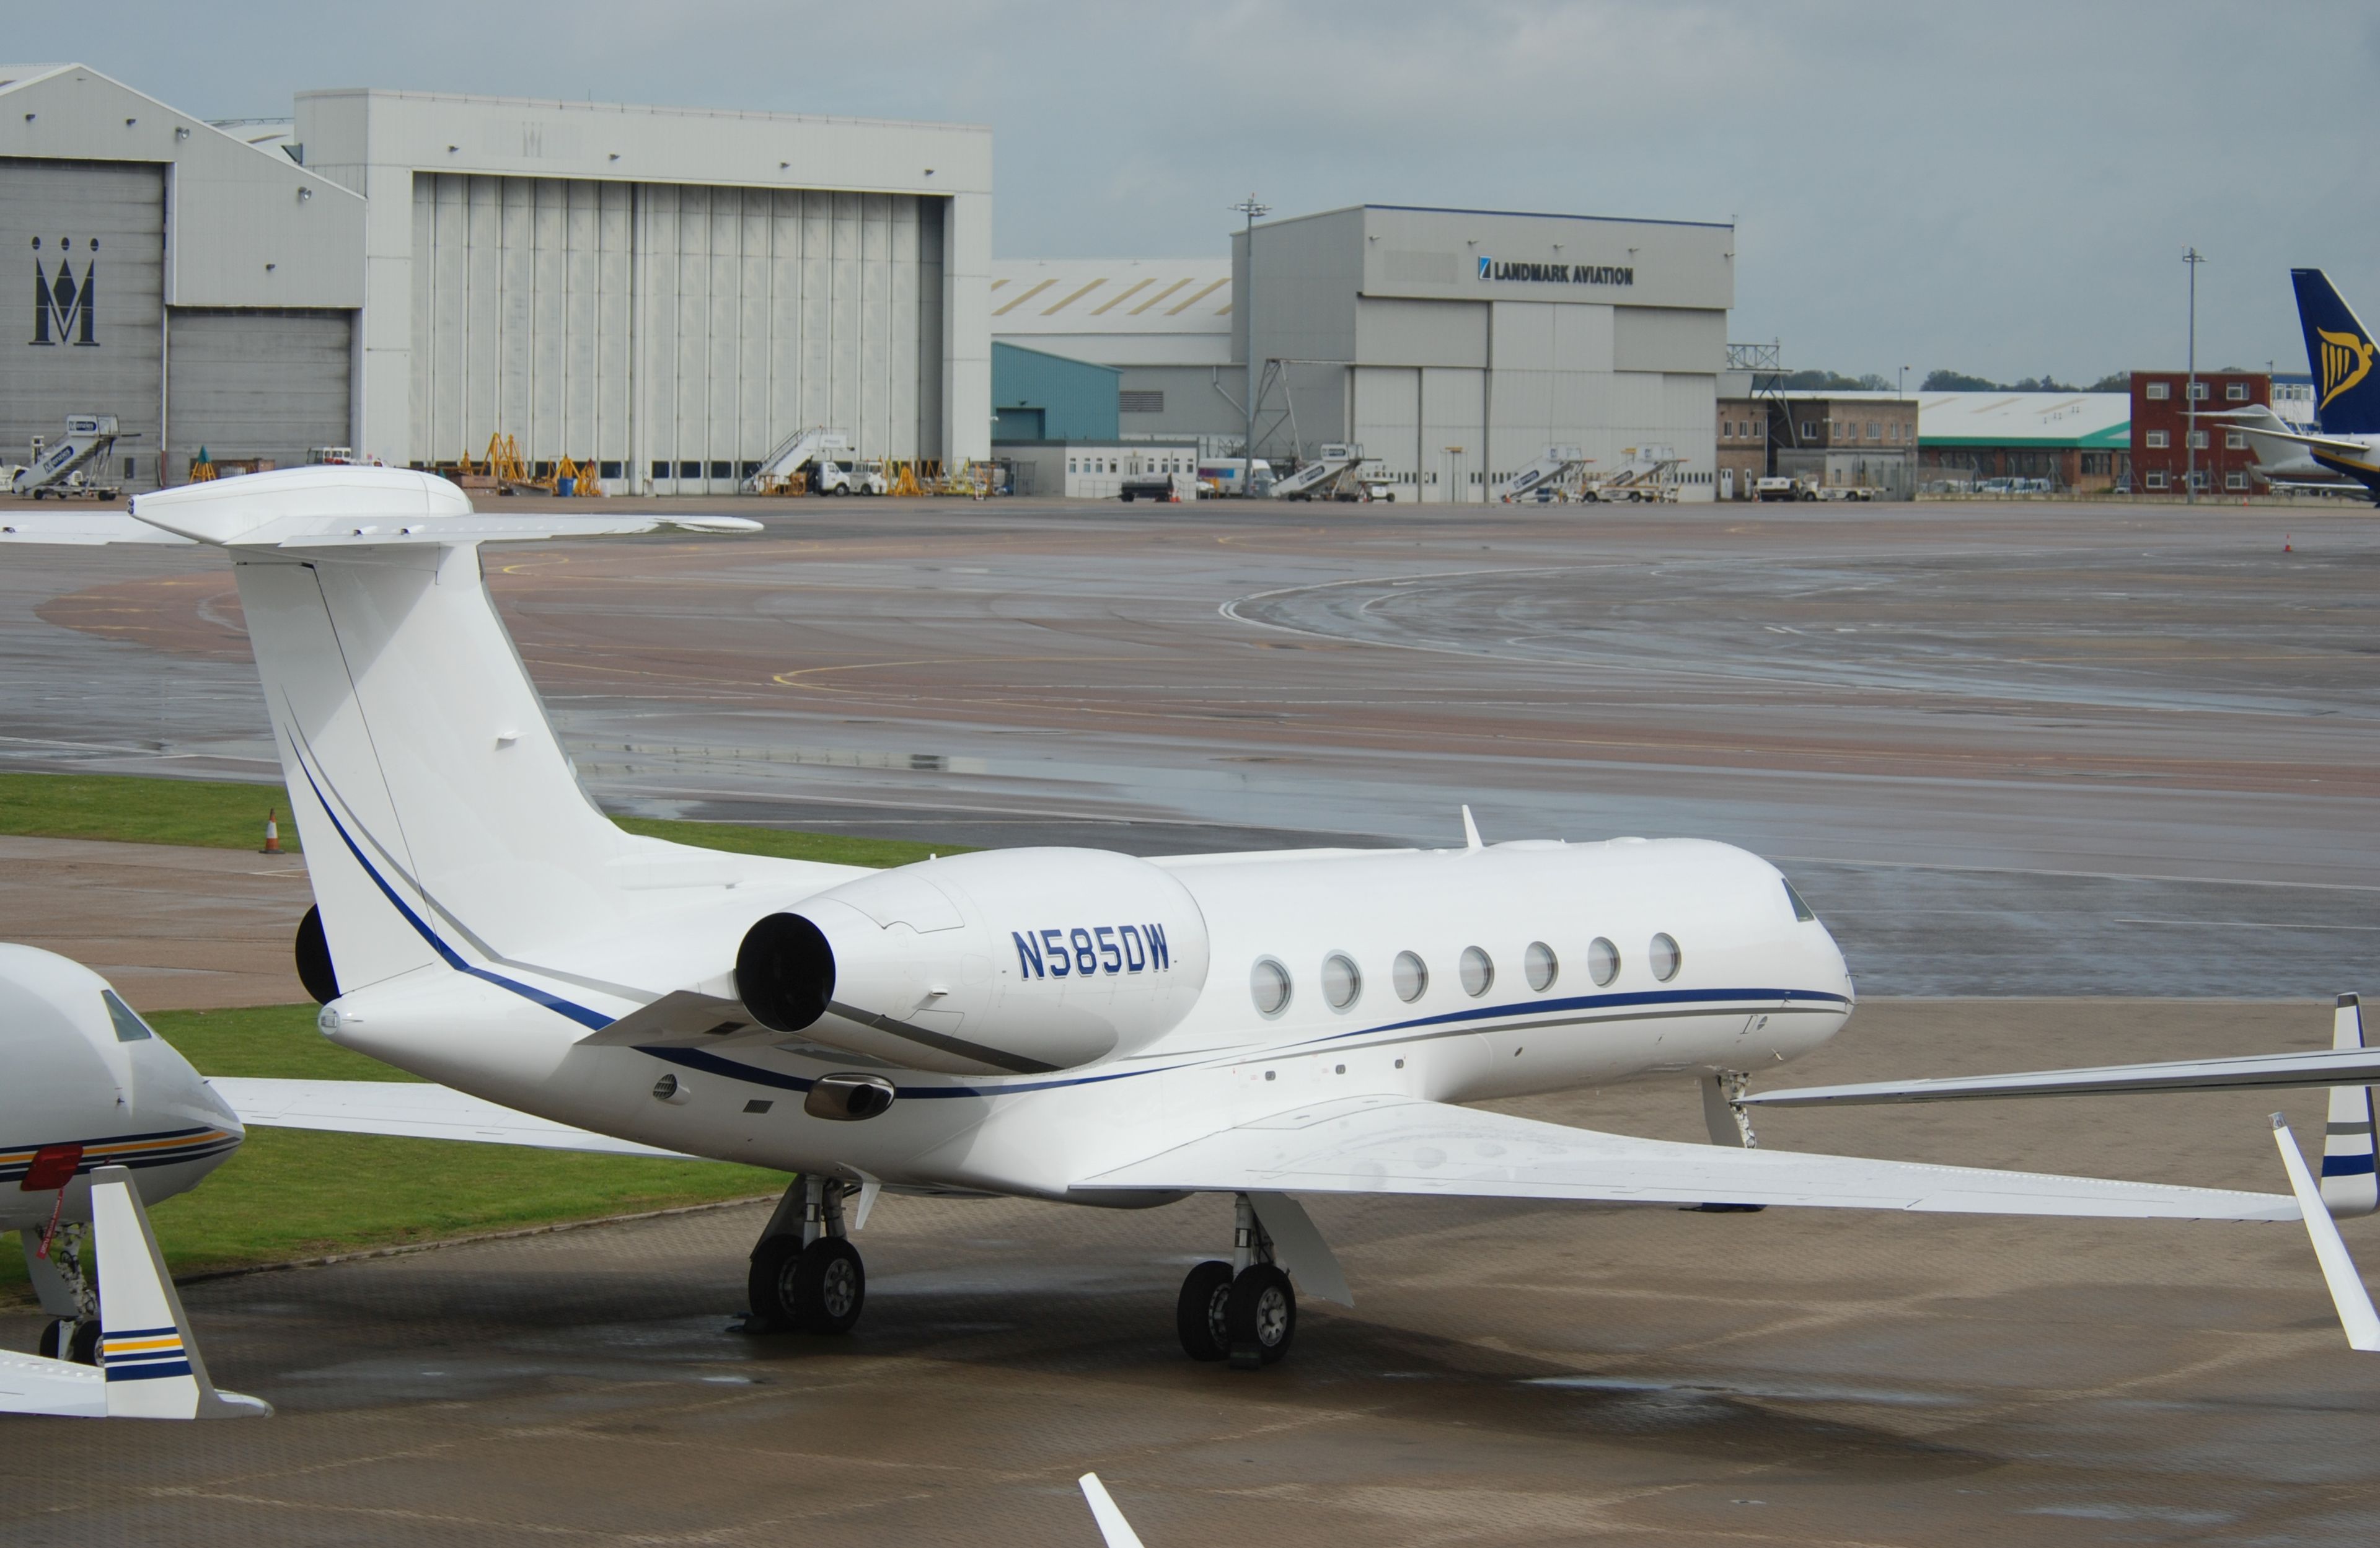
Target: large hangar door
{"x":93,"y":234}
{"x":256,"y":384}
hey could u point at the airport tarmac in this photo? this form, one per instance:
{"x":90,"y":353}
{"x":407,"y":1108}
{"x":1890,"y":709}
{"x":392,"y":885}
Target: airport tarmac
{"x":1510,"y":1373}
{"x":2005,"y":749}
{"x":2077,"y":750}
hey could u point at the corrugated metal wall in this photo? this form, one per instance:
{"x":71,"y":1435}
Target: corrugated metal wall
{"x":256,"y":384}
{"x":105,"y":224}
{"x":681,"y":331}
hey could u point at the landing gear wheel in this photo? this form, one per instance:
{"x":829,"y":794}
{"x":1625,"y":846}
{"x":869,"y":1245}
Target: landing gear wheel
{"x":83,"y":1347}
{"x":770,"y":1281}
{"x":827,"y":1287}
{"x":1261,"y":1316}
{"x":1198,"y":1314}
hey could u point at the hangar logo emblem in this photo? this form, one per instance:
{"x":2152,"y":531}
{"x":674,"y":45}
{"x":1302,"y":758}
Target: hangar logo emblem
{"x":1558,"y":273}
{"x":2345,"y":359}
{"x":62,"y":308}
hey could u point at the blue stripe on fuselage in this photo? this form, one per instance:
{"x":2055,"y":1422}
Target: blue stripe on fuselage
{"x":594,"y":1019}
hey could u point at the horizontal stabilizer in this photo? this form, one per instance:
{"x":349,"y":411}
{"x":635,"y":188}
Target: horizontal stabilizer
{"x":82,"y":529}
{"x":408,"y":1108}
{"x":148,"y":1361}
{"x":1393,"y":1144}
{"x":2323,"y":1067}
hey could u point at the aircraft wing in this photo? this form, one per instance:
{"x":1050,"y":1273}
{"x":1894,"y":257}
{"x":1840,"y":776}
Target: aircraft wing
{"x":2331,"y":445}
{"x":1394,"y":1144}
{"x":2322,"y":1067}
{"x":81,"y":528}
{"x":410,"y":1109}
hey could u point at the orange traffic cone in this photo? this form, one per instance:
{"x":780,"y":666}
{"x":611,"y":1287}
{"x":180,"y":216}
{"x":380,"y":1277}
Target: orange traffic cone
{"x":271,"y":832}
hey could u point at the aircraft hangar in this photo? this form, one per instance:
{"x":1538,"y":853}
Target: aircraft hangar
{"x":665,"y":292}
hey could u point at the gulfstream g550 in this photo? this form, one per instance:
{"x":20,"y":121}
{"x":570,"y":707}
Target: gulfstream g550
{"x":1059,"y":1023}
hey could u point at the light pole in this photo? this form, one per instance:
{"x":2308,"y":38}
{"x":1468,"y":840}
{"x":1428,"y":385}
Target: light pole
{"x":2190,"y":424}
{"x":1902,"y":391}
{"x":1251,"y":208}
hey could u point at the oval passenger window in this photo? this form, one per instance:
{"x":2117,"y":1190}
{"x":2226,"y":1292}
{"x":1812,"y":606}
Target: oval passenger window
{"x":1269,"y":985}
{"x":1602,"y":961}
{"x":1540,"y":965}
{"x":1663,"y":955}
{"x":1411,"y":977}
{"x":1478,"y":972}
{"x":1341,"y":982}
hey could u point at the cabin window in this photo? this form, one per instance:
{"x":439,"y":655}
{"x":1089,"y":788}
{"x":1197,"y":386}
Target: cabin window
{"x":1268,"y":986}
{"x":1801,"y":909}
{"x":1540,"y":966}
{"x":1342,"y":981}
{"x":1478,"y":972}
{"x":1602,"y":961}
{"x":1411,"y":977}
{"x":129,"y":1028}
{"x":1663,"y":957}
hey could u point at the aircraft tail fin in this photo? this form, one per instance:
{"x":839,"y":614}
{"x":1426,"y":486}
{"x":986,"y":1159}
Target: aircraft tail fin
{"x":2340,"y":353}
{"x":2349,"y":1183}
{"x":146,"y":1353}
{"x":442,"y":819}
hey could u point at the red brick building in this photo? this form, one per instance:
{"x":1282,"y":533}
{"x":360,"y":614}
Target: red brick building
{"x":2161,"y":432}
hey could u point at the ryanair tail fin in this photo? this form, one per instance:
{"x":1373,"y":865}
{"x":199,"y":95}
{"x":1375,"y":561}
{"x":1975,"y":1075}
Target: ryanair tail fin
{"x":2340,"y":354}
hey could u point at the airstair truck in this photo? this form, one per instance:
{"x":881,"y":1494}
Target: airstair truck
{"x":1553,"y":467}
{"x":1331,"y":476}
{"x":57,"y":469}
{"x":795,"y":452}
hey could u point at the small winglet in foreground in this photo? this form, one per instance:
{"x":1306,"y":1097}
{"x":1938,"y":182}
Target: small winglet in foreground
{"x":1113,"y":1528}
{"x":149,"y":1363}
{"x":2346,"y":1291}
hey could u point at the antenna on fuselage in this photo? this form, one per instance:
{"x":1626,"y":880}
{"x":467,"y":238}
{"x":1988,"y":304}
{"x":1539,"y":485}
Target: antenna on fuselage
{"x":1470,"y":832}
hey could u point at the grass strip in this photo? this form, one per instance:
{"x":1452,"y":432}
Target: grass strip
{"x":132,"y":808}
{"x":288,"y":1193}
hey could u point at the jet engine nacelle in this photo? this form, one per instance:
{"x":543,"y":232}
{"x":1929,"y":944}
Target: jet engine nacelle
{"x":1013,"y":961}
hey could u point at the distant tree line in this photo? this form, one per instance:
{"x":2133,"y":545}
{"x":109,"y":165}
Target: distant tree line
{"x":1959,"y":382}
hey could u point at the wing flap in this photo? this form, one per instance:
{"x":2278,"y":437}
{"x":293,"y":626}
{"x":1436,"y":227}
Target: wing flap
{"x":2323,"y":1067}
{"x":1401,"y":1145}
{"x":410,"y":1109}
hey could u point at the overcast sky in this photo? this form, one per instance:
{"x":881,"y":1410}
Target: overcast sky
{"x":2004,"y":190}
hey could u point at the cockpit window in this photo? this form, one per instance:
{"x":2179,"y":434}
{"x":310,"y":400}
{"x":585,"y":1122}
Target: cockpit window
{"x":129,"y":1028}
{"x":1801,"y":909}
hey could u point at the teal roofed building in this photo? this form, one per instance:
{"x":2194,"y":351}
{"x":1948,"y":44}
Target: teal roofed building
{"x":1039,"y":396}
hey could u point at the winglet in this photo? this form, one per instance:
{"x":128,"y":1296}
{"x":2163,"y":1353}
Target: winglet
{"x":1113,"y":1528}
{"x":1470,"y":832}
{"x":2349,"y":1184}
{"x":150,"y":1360}
{"x":2346,"y":1291}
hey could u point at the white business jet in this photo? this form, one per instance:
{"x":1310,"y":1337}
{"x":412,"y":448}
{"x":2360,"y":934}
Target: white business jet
{"x":1064,"y":1025}
{"x":84,"y":1083}
{"x":89,"y":1092}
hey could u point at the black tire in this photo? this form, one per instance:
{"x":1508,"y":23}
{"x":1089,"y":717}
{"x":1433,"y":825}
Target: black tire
{"x":1198,"y":1313}
{"x":828,"y":1287}
{"x":52,"y":1335}
{"x":1261,"y":1316}
{"x":83,"y":1347}
{"x":1126,"y":497}
{"x":769,"y":1286}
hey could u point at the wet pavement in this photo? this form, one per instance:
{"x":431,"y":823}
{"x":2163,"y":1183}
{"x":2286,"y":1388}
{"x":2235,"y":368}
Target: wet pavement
{"x":2011,"y":748}
{"x":1510,"y":1373}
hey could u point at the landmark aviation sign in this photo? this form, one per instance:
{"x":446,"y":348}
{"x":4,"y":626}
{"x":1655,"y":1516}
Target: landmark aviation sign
{"x":1558,"y":273}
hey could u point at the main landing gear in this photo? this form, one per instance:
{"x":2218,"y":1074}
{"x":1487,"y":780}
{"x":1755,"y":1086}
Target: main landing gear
{"x":1243,"y":1310}
{"x":806,"y":1274}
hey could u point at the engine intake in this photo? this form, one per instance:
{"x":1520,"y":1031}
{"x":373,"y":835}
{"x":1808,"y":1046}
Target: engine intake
{"x":1015,"y":961}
